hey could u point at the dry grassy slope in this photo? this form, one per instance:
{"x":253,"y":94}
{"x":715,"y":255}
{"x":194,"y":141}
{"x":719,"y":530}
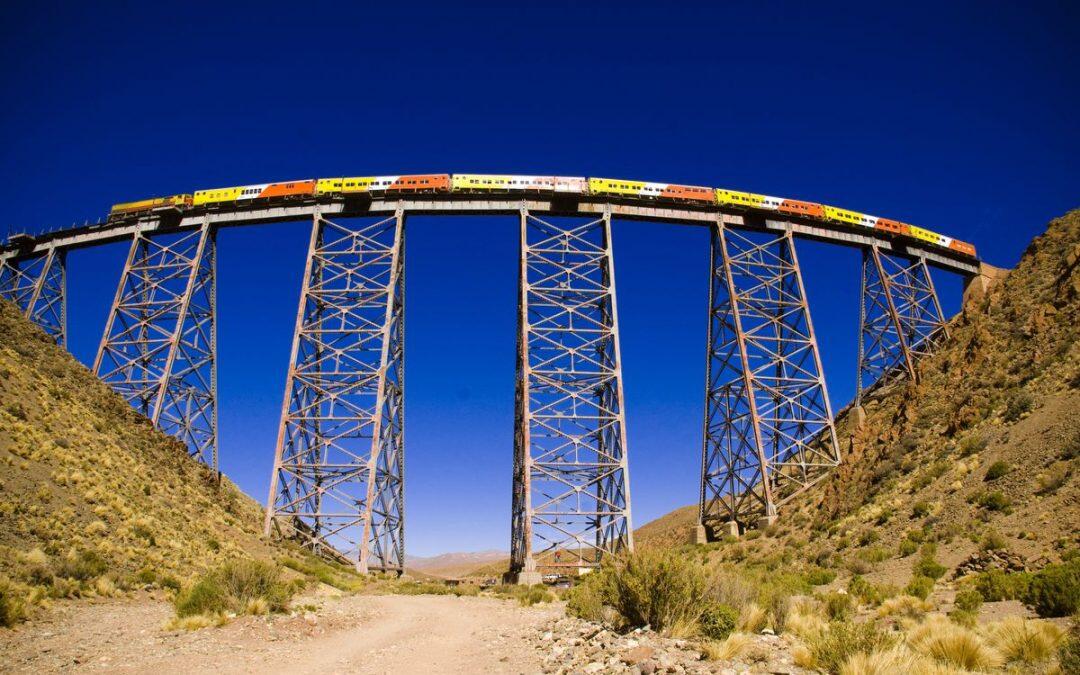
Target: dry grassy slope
{"x":80,"y":469}
{"x":914,"y":448}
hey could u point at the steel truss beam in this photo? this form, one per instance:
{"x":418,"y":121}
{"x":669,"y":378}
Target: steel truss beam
{"x":38,"y":286}
{"x":159,"y":350}
{"x":768,"y":429}
{"x":571,"y":495}
{"x":900,"y":318}
{"x":338,"y":477}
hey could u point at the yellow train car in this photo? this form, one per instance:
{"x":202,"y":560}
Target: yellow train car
{"x":328,"y":186}
{"x":747,"y":200}
{"x":928,"y":236}
{"x":217,"y":195}
{"x":175,"y":201}
{"x":638,"y":188}
{"x":477,"y":182}
{"x":849,"y":217}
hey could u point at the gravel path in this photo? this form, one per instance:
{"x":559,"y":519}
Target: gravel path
{"x":358,"y":634}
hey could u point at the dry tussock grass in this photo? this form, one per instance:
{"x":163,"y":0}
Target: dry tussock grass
{"x":953,"y":645}
{"x":1022,"y":641}
{"x":729,"y":649}
{"x":905,"y":606}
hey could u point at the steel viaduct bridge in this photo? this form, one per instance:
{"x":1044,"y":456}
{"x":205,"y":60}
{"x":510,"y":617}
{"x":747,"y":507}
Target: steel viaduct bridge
{"x":338,"y":476}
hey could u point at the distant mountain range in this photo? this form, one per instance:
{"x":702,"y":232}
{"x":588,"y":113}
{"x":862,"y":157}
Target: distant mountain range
{"x":454,"y":564}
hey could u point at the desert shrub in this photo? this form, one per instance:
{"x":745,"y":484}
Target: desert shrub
{"x":1027,"y":642}
{"x":718,"y":621}
{"x":838,"y":606}
{"x":992,"y":541}
{"x":654,"y":587}
{"x":920,"y":586}
{"x":1055,"y":589}
{"x":953,"y":645}
{"x":820,"y":577}
{"x":1054,"y":478}
{"x":858,"y":566}
{"x":907,"y":547}
{"x":927,"y":566}
{"x":868,"y":537}
{"x":994,"y":585}
{"x":833,"y":647}
{"x":37,"y":569}
{"x":1071,"y":448}
{"x":1069,"y":652}
{"x":730,"y":588}
{"x":81,"y":565}
{"x":920,"y":509}
{"x":240,"y":586}
{"x":866,"y":592}
{"x":537,"y":594}
{"x":972,"y":444}
{"x":585,"y":600}
{"x":1019,"y":403}
{"x":968,"y":600}
{"x":12,"y":604}
{"x":996,"y":470}
{"x":338,"y":576}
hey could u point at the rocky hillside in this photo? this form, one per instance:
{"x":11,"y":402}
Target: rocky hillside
{"x":979,"y":456}
{"x":92,"y":498}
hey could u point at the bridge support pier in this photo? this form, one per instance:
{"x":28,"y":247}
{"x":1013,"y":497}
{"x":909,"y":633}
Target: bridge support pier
{"x":38,"y":286}
{"x":571,"y":495}
{"x":159,"y":349}
{"x":768,"y":428}
{"x":338,"y":476}
{"x":900,"y":318}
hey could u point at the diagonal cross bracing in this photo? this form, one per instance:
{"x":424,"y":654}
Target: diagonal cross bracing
{"x":571,"y":500}
{"x":337,"y":482}
{"x":900,"y":318}
{"x":768,"y":427}
{"x":159,"y":350}
{"x":38,"y":286}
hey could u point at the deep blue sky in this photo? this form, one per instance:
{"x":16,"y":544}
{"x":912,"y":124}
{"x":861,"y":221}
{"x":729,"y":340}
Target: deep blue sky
{"x":959,"y":117}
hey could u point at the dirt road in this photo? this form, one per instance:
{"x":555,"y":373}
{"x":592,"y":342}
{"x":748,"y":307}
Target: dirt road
{"x":359,"y":634}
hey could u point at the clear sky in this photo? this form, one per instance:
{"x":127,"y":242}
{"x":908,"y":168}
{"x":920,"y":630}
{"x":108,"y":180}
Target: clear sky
{"x":957,"y":116}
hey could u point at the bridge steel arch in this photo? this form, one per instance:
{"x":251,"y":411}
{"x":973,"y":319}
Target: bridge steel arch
{"x":338,"y":474}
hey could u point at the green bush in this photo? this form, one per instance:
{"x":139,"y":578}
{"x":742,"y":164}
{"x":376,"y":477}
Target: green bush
{"x":832,"y":648}
{"x":206,"y":596}
{"x":972,"y":444}
{"x":968,"y":601}
{"x":838,"y":606}
{"x":996,"y":470}
{"x":81,"y":565}
{"x":536,"y":595}
{"x":920,"y":509}
{"x":994,"y":585}
{"x":994,"y":501}
{"x":1019,"y":403}
{"x":1069,"y":652}
{"x":234,"y":587}
{"x":992,"y":541}
{"x":1055,"y":590}
{"x":928,"y":567}
{"x":653,"y":587}
{"x":718,"y":621}
{"x":907,"y":547}
{"x":820,"y":577}
{"x":12,"y":605}
{"x":585,"y":600}
{"x":920,"y":587}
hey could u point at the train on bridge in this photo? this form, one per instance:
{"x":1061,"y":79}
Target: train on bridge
{"x":383,"y":186}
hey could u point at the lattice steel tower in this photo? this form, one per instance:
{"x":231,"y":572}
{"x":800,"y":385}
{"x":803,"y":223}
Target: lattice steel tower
{"x":337,"y":482}
{"x":768,"y":429}
{"x":38,"y":286}
{"x":571,"y":495}
{"x":900,"y":318}
{"x":159,"y":350}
